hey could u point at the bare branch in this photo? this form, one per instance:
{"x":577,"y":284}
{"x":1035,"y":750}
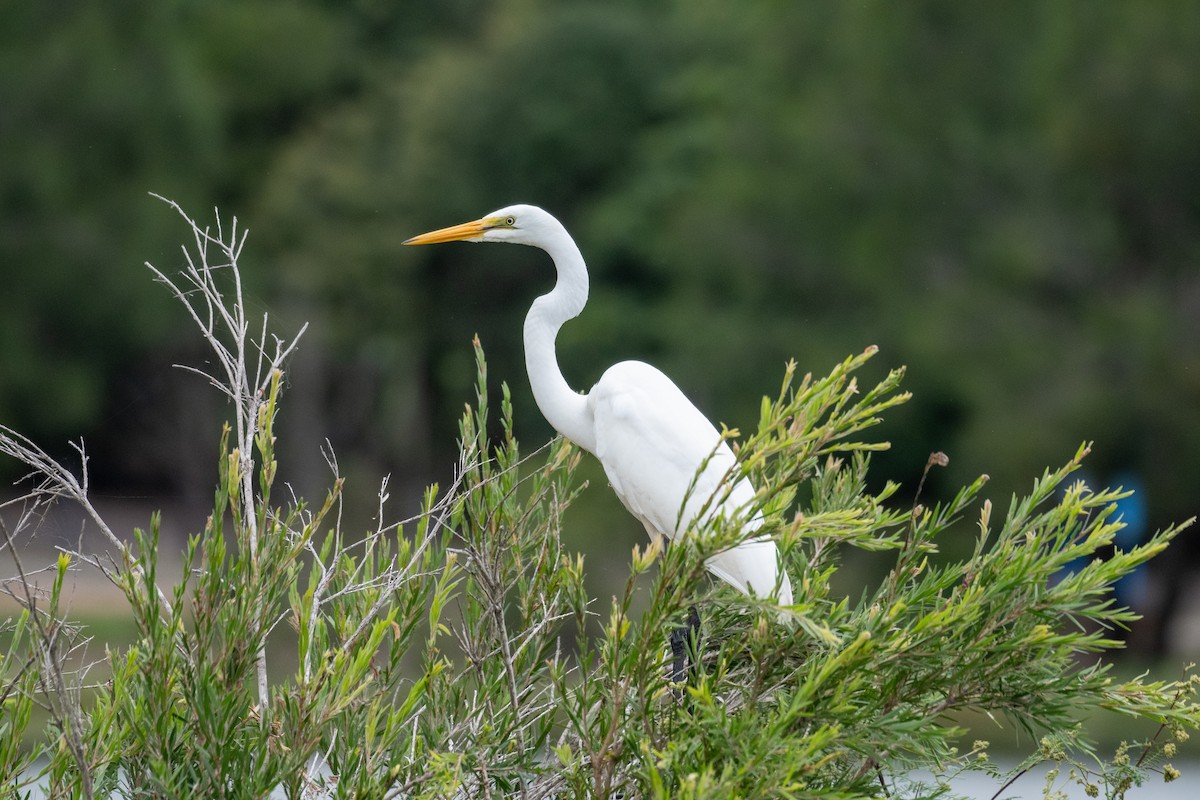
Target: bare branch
{"x":222,"y":320}
{"x":56,"y":481}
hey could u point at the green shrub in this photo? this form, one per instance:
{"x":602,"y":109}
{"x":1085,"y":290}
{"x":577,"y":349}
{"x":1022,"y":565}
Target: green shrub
{"x":457,"y":654}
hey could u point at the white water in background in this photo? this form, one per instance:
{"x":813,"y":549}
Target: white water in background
{"x":1031,"y":785}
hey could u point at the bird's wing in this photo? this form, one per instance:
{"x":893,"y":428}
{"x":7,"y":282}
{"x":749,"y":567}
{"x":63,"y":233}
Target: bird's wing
{"x":652,"y":442}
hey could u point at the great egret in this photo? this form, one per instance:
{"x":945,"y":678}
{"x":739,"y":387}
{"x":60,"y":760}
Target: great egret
{"x":650,"y":439}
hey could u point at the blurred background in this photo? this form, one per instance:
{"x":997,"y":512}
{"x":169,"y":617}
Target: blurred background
{"x":1003,"y":197}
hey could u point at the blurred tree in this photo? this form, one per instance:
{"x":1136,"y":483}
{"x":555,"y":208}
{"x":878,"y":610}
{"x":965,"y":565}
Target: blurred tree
{"x":1001,"y":197}
{"x":940,"y":182}
{"x":100,"y":105}
{"x":543,"y":110}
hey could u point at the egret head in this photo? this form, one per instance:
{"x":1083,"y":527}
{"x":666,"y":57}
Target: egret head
{"x":519,"y":224}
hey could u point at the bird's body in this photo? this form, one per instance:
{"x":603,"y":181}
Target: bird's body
{"x":652,"y":442}
{"x":664,"y":459}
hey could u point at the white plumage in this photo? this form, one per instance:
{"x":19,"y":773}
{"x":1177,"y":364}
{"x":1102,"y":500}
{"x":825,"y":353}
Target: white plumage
{"x":650,"y":439}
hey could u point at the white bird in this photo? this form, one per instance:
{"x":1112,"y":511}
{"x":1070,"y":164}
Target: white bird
{"x":650,"y":439}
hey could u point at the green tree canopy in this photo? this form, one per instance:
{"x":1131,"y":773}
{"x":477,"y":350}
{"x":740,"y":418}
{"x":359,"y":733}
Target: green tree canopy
{"x":1002,"y":197}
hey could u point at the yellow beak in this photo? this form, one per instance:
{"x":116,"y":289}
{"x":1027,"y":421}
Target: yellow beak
{"x":455,"y":233}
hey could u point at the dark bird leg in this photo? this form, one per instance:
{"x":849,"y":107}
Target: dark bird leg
{"x":685,"y":648}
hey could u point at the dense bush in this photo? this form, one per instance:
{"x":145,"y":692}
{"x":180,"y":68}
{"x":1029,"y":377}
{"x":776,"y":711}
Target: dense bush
{"x":458,"y":654}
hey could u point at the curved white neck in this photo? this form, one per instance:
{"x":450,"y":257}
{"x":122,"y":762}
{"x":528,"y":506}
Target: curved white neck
{"x":566,"y":410}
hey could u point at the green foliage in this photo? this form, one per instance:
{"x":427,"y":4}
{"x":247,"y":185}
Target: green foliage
{"x":433,"y":657}
{"x":459,"y":654}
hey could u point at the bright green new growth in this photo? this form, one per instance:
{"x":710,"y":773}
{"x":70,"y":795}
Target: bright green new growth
{"x":458,"y":654}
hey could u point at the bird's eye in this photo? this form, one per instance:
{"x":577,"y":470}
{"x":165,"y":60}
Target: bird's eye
{"x":510,"y":221}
